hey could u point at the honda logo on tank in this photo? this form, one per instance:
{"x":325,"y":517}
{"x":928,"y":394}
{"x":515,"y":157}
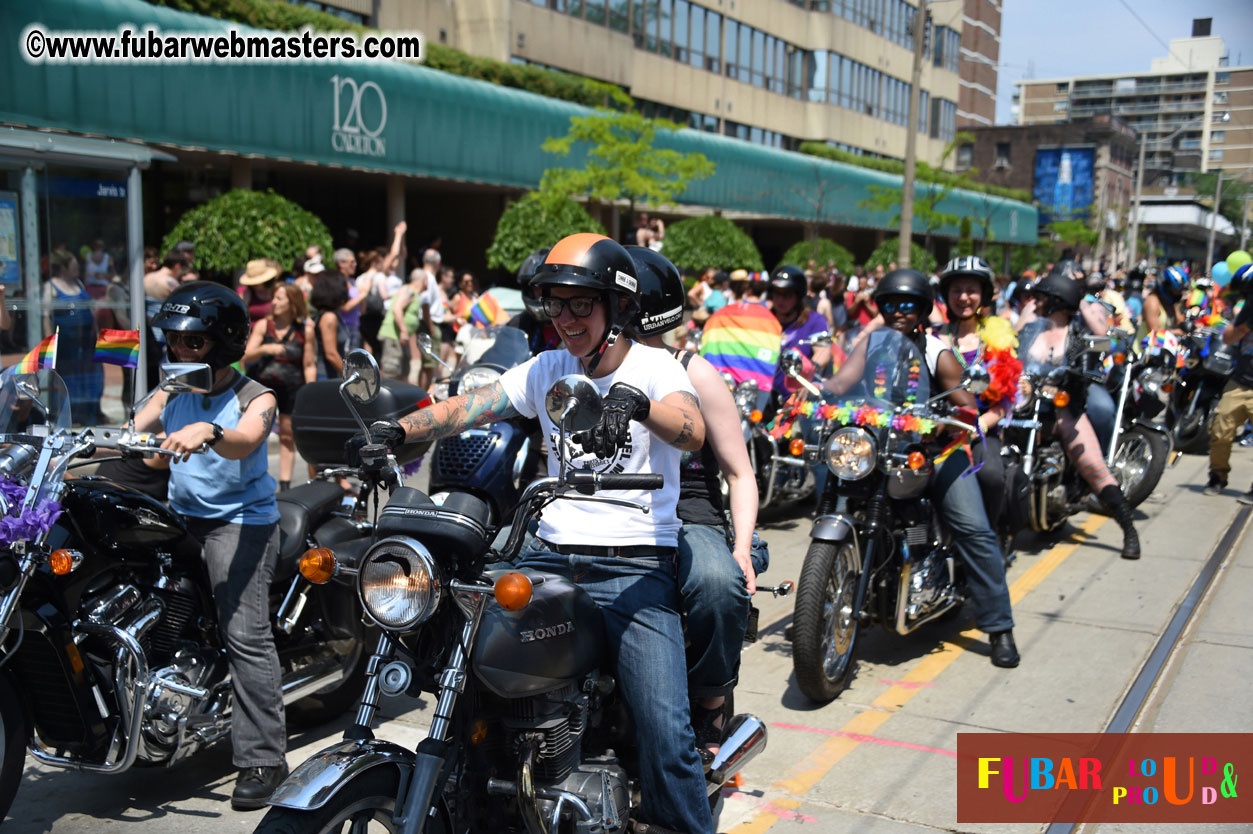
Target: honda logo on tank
{"x":360,"y":116}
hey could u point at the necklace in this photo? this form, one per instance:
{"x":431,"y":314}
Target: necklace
{"x":957,"y":351}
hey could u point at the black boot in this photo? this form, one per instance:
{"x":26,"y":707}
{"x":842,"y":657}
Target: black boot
{"x":254,"y":785}
{"x":1116,"y":502}
{"x":1004,"y":652}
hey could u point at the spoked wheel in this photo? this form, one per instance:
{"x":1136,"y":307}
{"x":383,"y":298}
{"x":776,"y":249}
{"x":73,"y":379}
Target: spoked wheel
{"x":1139,"y":462}
{"x":363,"y":806}
{"x":329,"y":703}
{"x":824,"y":628}
{"x":1191,"y":432}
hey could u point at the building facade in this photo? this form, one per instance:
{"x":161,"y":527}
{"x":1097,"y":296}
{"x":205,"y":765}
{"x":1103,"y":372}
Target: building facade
{"x":1194,"y":111}
{"x":774,"y":72}
{"x":980,"y":53}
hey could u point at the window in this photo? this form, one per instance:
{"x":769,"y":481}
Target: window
{"x":732,"y":32}
{"x":1060,"y":106}
{"x":759,"y":58}
{"x":696,"y":41}
{"x":618,"y":14}
{"x":1217,"y":137}
{"x":796,"y":73}
{"x":1220,"y":97}
{"x":1222,"y":78}
{"x":596,"y":12}
{"x":637,"y":24}
{"x":713,"y":41}
{"x":746,"y":52}
{"x":1221,"y":116}
{"x":924,"y":110}
{"x":1062,"y":89}
{"x":665,"y":30}
{"x":1216,"y":155}
{"x":965,"y":156}
{"x":1002,"y":155}
{"x":681,"y":18}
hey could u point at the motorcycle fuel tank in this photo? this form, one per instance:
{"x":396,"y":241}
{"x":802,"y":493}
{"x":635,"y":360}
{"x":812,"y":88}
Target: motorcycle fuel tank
{"x":556,"y":638}
{"x":116,"y":517}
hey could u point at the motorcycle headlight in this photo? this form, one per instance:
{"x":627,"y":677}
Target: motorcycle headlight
{"x":477,"y":378}
{"x":399,"y":584}
{"x":850,"y":454}
{"x":746,"y":395}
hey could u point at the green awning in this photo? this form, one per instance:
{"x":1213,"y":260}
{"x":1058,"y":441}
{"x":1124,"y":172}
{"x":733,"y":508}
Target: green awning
{"x":398,"y":118}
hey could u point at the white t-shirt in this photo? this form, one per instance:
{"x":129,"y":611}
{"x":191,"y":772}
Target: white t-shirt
{"x":433,"y":297}
{"x":655,"y":372}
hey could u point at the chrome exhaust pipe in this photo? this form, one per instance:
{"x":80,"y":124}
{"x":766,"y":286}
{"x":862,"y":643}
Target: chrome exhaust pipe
{"x":745,"y":739}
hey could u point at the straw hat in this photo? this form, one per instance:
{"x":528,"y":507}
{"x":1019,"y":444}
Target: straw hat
{"x":260,"y":271}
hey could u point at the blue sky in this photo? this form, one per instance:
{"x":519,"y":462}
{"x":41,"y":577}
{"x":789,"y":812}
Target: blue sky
{"x":1052,"y":38}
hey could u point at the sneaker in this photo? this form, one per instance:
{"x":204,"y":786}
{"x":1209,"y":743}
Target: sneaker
{"x":1215,"y":486}
{"x":1247,"y":498}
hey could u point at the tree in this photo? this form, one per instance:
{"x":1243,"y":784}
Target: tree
{"x":885,"y":254}
{"x":534,"y":222}
{"x":965,"y":246}
{"x":700,"y":242}
{"x":1232,"y":203}
{"x":822,"y":251}
{"x":622,"y":162}
{"x":240,"y":226}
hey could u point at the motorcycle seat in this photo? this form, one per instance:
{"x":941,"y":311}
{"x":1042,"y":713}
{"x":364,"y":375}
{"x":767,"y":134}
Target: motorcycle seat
{"x":300,"y":509}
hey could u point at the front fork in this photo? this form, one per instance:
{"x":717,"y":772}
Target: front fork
{"x":1122,"y":404}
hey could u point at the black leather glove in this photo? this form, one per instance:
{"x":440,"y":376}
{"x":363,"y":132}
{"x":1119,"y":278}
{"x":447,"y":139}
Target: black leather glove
{"x":622,"y":404}
{"x":386,"y":433}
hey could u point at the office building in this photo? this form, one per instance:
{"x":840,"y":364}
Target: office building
{"x":976,"y":70}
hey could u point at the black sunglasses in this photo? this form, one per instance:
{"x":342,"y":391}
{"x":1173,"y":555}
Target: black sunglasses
{"x":191,"y":341}
{"x":580,"y":306}
{"x":905,"y":307}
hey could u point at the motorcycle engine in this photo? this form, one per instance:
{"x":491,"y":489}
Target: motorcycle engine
{"x":598,"y":783}
{"x":558,"y":718}
{"x":930,"y":583}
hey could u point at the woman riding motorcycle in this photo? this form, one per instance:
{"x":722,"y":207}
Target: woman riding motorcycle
{"x":904,"y":300}
{"x":1047,"y":340}
{"x":787,"y":292}
{"x":715,"y":580}
{"x":978,"y":337}
{"x":1161,"y":306}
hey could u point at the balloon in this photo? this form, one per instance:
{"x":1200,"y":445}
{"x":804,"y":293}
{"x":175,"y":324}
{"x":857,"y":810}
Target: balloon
{"x":1238,"y":259}
{"x":1221,"y":273}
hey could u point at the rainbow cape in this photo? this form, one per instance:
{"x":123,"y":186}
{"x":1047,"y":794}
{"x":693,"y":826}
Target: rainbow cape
{"x":487,"y":311}
{"x":743,"y":340}
{"x":42,"y":355}
{"x":118,"y":347}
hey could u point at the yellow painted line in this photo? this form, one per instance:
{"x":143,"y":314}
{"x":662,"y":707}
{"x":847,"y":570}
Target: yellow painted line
{"x":800,"y":778}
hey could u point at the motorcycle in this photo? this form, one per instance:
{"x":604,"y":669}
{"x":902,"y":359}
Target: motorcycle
{"x":1141,"y":384}
{"x":494,"y":462}
{"x":110,"y":655}
{"x":1207,"y":365}
{"x":527,"y":732}
{"x":879,"y":552}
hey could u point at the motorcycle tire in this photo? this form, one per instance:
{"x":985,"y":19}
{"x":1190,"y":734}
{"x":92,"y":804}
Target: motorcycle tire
{"x":1192,"y":436}
{"x":824,"y":626}
{"x":13,"y":741}
{"x":369,"y":798}
{"x":1139,"y":462}
{"x":327,"y":704}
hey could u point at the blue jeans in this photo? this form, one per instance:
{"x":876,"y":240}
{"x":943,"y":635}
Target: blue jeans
{"x":715,"y":601}
{"x":638,"y":599}
{"x":961,"y":506}
{"x":1100,"y":408}
{"x":240,"y":559}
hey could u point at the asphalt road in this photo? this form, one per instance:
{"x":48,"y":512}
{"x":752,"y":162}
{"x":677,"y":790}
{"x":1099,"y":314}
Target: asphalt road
{"x":881,"y":758}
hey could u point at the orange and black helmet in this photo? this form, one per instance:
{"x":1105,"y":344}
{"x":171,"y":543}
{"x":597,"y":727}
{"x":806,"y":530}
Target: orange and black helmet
{"x":598,"y":263}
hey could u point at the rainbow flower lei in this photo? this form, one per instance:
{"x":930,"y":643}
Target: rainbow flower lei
{"x":867,"y":416}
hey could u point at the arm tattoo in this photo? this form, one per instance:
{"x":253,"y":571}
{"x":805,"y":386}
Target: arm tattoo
{"x":450,"y":417}
{"x":685,"y":434}
{"x":689,"y":425}
{"x":267,"y":419}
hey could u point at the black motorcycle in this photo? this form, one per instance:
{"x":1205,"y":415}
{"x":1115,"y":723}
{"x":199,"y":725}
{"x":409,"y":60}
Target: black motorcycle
{"x":1141,"y":384}
{"x":1207,"y":365}
{"x":111,"y":655}
{"x":528,"y":732}
{"x":493,"y":462}
{"x":879,"y":552}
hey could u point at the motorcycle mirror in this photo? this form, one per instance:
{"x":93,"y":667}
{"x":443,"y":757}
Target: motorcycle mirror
{"x":575,"y":400}
{"x":822,"y":339}
{"x":186,"y":378}
{"x":361,"y":376}
{"x":425,"y":345}
{"x":976,"y":379}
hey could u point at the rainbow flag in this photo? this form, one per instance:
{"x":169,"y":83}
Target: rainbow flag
{"x":43,"y":355}
{"x":744,"y":341}
{"x":118,"y":347}
{"x":487,"y":311}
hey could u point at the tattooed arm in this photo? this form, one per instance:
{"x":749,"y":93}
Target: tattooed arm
{"x":237,"y":443}
{"x":676,"y":420}
{"x":444,"y":419}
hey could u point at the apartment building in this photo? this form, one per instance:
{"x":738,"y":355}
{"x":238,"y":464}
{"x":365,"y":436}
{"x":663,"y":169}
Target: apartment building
{"x":1193,"y":110}
{"x":977,"y":68}
{"x":774,"y":72}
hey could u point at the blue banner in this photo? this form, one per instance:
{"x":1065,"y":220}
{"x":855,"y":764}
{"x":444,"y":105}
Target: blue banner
{"x":10,"y":229}
{"x":84,"y":188}
{"x":1064,"y":183}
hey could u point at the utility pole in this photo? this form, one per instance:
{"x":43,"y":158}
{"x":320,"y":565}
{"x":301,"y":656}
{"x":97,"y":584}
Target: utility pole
{"x":911,"y":139}
{"x":1213,"y":222}
{"x":1244,"y":220}
{"x":1135,"y":213}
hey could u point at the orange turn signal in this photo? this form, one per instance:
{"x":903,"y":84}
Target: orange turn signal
{"x":797,"y":447}
{"x":1061,"y":399}
{"x":917,"y":460}
{"x":60,"y":562}
{"x":318,"y":565}
{"x":513,"y":591}
{"x":755,"y":416}
{"x":1168,"y":387}
{"x":478,"y":732}
{"x":1120,"y":359}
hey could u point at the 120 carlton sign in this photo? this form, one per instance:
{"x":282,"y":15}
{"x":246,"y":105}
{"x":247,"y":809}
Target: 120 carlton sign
{"x":360,"y":116}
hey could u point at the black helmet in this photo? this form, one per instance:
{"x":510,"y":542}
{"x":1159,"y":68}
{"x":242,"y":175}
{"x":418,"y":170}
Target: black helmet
{"x":599,"y":263}
{"x":909,"y":283}
{"x":790,"y":278}
{"x":967,"y":266}
{"x":661,"y":292}
{"x":525,"y":273}
{"x":1058,"y":285}
{"x":211,"y":309}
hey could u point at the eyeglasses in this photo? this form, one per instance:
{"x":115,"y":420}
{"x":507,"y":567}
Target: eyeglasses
{"x":580,"y":306}
{"x":903,"y":307}
{"x":191,"y":341}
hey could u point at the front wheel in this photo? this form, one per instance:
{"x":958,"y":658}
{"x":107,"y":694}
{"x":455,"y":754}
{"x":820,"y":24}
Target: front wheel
{"x":363,"y":805}
{"x":14,"y":734}
{"x":1191,"y":431}
{"x":1139,"y":462}
{"x":824,"y":624}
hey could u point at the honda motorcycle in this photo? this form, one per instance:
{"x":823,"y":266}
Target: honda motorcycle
{"x":1207,"y":365}
{"x":528,"y":732}
{"x":879,"y":551}
{"x":1141,"y":384}
{"x":110,"y":653}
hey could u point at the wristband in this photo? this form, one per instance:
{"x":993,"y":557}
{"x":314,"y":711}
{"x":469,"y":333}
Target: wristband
{"x":218,"y":432}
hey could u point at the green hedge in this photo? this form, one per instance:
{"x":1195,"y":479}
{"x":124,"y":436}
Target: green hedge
{"x":891,"y":166}
{"x":700,"y":242}
{"x":536,"y":222}
{"x":821,"y":251}
{"x":886,"y":253}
